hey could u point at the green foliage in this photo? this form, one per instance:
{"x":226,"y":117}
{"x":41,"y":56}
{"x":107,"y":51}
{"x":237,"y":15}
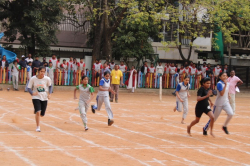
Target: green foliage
{"x":132,"y":39}
{"x":232,"y":16}
{"x":33,"y":23}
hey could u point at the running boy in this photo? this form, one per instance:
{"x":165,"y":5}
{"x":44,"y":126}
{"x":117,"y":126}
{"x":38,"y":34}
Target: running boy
{"x":221,"y":103}
{"x":103,"y":97}
{"x":15,"y":73}
{"x":202,"y":105}
{"x":182,"y":94}
{"x":86,"y":95}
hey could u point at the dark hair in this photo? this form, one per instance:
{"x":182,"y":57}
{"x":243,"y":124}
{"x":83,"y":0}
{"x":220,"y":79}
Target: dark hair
{"x":74,"y":58}
{"x":186,"y":65}
{"x":49,"y":62}
{"x":36,"y":56}
{"x":84,"y":76}
{"x":58,"y":57}
{"x":29,"y":62}
{"x":41,"y":67}
{"x":178,"y":70}
{"x":97,"y":60}
{"x":106,"y":72}
{"x":53,"y":54}
{"x":204,"y":80}
{"x":221,"y":75}
{"x":81,"y":58}
{"x":64,"y":59}
{"x":14,"y":61}
{"x":186,"y":77}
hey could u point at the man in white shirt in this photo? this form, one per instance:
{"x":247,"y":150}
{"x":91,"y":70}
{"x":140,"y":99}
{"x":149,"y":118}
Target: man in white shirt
{"x":29,"y":59}
{"x":159,"y":69}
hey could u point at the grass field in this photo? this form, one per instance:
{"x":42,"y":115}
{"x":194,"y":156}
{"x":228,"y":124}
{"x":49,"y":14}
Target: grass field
{"x":146,"y":132}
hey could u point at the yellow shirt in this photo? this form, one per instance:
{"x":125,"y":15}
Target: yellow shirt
{"x":116,"y":76}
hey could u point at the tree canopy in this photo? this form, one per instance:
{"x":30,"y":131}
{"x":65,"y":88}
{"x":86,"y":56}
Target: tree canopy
{"x":33,"y":23}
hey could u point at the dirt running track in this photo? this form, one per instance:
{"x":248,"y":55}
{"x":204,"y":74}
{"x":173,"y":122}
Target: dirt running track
{"x":146,"y":132}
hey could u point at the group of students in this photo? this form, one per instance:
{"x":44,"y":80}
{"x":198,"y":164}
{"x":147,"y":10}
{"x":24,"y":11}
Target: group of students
{"x":225,"y":100}
{"x":40,"y":88}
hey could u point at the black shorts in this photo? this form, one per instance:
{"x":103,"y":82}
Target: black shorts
{"x":200,"y":110}
{"x":39,"y":106}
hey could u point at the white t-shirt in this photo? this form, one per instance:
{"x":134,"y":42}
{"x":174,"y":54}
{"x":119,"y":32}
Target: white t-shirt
{"x":204,"y":69}
{"x":112,"y":66}
{"x":54,"y":62}
{"x":193,"y":71}
{"x":40,"y":86}
{"x":151,"y":69}
{"x":3,"y":64}
{"x":50,"y":72}
{"x":221,"y":100}
{"x":123,"y":68}
{"x":181,"y":71}
{"x":199,"y":72}
{"x":217,"y":71}
{"x":187,"y":71}
{"x":15,"y":72}
{"x":183,"y":90}
{"x":81,"y":65}
{"x":97,"y":66}
{"x":105,"y":84}
{"x":70,"y":65}
{"x":159,"y":70}
{"x":173,"y":70}
{"x":29,"y":60}
{"x":167,"y":69}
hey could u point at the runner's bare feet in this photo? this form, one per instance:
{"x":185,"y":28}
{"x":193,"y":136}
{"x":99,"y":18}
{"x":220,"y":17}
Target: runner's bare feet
{"x":182,"y":122}
{"x":174,"y":109}
{"x":188,"y":130}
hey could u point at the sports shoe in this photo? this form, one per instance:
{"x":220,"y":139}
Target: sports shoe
{"x":92,"y":108}
{"x":204,"y":131}
{"x":173,"y":94}
{"x":225,"y":130}
{"x":38,"y":129}
{"x":111,"y":100}
{"x":110,"y":122}
{"x":86,"y":128}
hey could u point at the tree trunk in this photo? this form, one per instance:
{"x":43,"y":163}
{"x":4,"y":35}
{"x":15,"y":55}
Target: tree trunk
{"x":107,"y":46}
{"x":98,"y":32}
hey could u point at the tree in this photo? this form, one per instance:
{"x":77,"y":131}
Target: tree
{"x":192,"y":20}
{"x":133,"y":39}
{"x":105,"y":17}
{"x":233,"y":18}
{"x":34,"y":23}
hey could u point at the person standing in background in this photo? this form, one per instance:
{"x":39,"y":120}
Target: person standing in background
{"x":4,"y":63}
{"x":35,"y":65}
{"x":82,"y":66}
{"x":234,"y":82}
{"x":112,"y":65}
{"x":23,"y":63}
{"x":116,"y":79}
{"x":204,"y":69}
{"x":225,"y":69}
{"x":53,"y":59}
{"x":29,"y":58}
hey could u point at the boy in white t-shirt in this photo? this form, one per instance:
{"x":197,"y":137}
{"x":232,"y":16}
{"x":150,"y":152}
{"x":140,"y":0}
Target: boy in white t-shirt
{"x":15,"y":73}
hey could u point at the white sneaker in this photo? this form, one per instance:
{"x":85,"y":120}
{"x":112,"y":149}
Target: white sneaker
{"x":86,"y":128}
{"x":38,"y":129}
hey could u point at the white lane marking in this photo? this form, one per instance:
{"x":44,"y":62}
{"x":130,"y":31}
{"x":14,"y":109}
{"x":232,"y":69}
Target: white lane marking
{"x":26,"y":160}
{"x":48,"y":143}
